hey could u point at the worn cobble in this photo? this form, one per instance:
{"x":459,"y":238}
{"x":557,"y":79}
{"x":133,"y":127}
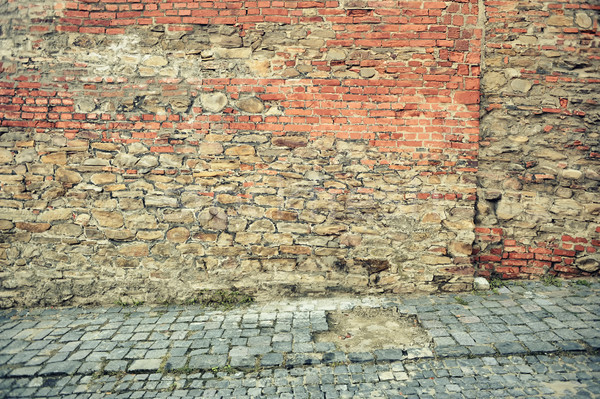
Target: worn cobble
{"x":525,"y":340}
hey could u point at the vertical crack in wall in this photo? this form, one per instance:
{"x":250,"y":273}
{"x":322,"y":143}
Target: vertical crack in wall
{"x":481,"y":20}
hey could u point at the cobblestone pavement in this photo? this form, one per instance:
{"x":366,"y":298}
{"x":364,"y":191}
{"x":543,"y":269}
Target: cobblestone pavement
{"x":526,"y":340}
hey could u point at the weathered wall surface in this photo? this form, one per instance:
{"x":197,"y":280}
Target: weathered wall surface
{"x":539,"y":163}
{"x":154,"y":148}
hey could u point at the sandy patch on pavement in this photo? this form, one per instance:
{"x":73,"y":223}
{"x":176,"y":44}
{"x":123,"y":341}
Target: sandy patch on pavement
{"x":367,"y":329}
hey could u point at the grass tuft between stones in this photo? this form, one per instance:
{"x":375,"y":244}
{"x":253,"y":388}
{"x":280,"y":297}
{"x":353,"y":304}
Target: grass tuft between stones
{"x":552,"y":280}
{"x":585,"y":283}
{"x":461,"y":301}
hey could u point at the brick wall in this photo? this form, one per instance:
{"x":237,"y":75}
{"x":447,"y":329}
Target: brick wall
{"x":150,"y":149}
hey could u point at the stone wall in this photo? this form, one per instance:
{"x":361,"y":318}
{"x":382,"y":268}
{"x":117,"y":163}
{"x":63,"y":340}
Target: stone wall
{"x":151,"y":149}
{"x":154,"y":149}
{"x":539,"y":164}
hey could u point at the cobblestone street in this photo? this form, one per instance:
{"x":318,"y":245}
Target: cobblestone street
{"x":524,"y":340}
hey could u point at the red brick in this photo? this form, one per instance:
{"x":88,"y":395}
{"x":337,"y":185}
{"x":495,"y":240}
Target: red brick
{"x":562,"y":252}
{"x":490,"y":258}
{"x":533,"y":270}
{"x":540,"y":250}
{"x":515,"y":255}
{"x":162,"y":149}
{"x":507,"y":270}
{"x":565,"y":269}
{"x":513,"y":262}
{"x":467,"y":97}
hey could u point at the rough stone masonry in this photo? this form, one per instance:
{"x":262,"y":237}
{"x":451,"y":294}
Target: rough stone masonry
{"x":150,"y":149}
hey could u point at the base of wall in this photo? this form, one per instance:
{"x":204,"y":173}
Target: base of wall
{"x":262,"y":286}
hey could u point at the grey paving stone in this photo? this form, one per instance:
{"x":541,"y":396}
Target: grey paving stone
{"x":23,"y":357}
{"x":444,"y":341}
{"x":134,"y":354}
{"x":271,"y":359}
{"x":157,"y":353}
{"x":89,"y":367}
{"x":510,"y":348}
{"x":243,"y":361}
{"x":463,"y":338}
{"x":282,"y":346}
{"x":334,"y":357}
{"x":303,"y":359}
{"x":389,"y":355}
{"x":39,"y":345}
{"x":260,"y":350}
{"x":144,"y":365}
{"x":303,"y":347}
{"x":114,"y":366}
{"x":360,"y":357}
{"x":178,"y":352}
{"x":418,"y":353}
{"x":14,"y":347}
{"x":505,"y":337}
{"x":25,"y":371}
{"x":58,"y":368}
{"x":71,"y":336}
{"x":301,"y":336}
{"x":451,"y":351}
{"x":593,"y":342}
{"x":207,"y":362}
{"x":483,"y":337}
{"x":540,"y":346}
{"x":481,"y":350}
{"x":548,"y":336}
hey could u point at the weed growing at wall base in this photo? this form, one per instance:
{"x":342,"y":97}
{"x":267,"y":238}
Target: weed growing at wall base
{"x":550,"y":280}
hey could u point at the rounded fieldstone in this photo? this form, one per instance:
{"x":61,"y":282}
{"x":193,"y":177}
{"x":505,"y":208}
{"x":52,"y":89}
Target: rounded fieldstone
{"x":481,"y":284}
{"x":521,"y":85}
{"x":213,"y":218}
{"x":589,"y":264}
{"x":367,"y":73}
{"x":336,"y":54}
{"x":147,"y":161}
{"x":213,"y":102}
{"x":108,"y":218}
{"x":180,"y":104}
{"x":493,"y":80}
{"x":68,"y":176}
{"x":156,"y":60}
{"x":251,"y":105}
{"x":572,"y":174}
{"x":5,"y":156}
{"x":583,"y":20}
{"x":178,"y":234}
{"x":6,"y":225}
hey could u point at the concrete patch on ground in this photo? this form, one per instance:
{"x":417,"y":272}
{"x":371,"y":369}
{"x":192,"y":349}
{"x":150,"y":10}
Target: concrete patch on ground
{"x":368,"y":329}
